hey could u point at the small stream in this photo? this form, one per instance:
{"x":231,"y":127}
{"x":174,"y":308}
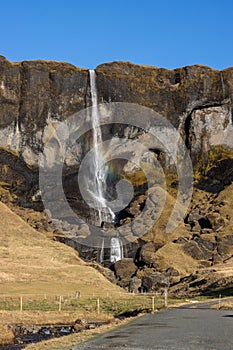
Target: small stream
{"x":27,"y":334}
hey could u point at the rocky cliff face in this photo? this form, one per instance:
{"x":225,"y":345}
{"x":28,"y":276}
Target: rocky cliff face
{"x":36,"y":97}
{"x":196,"y":99}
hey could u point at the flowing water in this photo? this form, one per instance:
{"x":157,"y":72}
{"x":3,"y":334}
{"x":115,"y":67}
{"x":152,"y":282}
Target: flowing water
{"x":99,"y":173}
{"x":102,"y":252}
{"x":105,"y":214}
{"x":116,"y":251}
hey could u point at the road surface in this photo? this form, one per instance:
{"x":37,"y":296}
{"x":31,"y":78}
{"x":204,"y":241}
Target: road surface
{"x":174,"y":329}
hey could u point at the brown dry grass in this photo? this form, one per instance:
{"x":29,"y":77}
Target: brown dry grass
{"x":33,"y":264}
{"x":158,"y":232}
{"x":173,"y":255}
{"x":228,"y":305}
{"x":224,"y":269}
{"x":46,"y":317}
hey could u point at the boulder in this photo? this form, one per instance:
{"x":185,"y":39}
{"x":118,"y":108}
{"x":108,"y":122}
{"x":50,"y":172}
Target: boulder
{"x":147,"y":254}
{"x":196,"y":251}
{"x":154,"y":281}
{"x":124,"y":269}
{"x":216,"y":220}
{"x":80,"y":325}
{"x":135,"y":284}
{"x":205,"y":243}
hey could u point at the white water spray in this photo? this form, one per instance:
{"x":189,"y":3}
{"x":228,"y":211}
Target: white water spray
{"x":101,"y":259}
{"x":116,"y":251}
{"x":17,"y":136}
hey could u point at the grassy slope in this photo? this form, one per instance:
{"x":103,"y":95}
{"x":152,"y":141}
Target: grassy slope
{"x":171,"y":254}
{"x":31,"y":263}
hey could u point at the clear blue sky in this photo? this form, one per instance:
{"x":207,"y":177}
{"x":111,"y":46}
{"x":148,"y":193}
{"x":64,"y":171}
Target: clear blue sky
{"x":86,"y":33}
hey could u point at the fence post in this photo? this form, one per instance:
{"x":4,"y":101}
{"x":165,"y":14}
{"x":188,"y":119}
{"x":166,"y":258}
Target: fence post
{"x":165,"y":297}
{"x":153,"y":304}
{"x":219,"y":301}
{"x":21,"y":303}
{"x":59,"y":307}
{"x":98,"y":306}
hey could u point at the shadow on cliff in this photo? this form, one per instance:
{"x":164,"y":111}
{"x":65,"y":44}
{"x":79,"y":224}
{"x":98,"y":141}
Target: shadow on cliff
{"x":218,"y":177}
{"x":18,"y":177}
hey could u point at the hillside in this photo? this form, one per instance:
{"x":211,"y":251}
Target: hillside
{"x":33,"y":264}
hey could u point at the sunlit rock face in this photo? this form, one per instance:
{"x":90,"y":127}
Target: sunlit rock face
{"x":209,"y":127}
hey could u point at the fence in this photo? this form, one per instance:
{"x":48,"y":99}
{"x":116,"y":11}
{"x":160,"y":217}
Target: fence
{"x":88,"y":303}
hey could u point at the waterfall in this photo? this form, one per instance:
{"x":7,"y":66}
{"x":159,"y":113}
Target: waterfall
{"x":116,"y":250}
{"x":99,"y":183}
{"x":17,"y":136}
{"x":98,"y":188}
{"x":101,"y":259}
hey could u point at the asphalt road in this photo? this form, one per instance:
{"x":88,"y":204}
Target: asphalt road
{"x":174,"y":329}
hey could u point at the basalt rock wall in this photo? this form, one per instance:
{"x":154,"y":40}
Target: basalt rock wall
{"x":36,"y":95}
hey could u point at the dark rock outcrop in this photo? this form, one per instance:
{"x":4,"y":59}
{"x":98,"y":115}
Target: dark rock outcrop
{"x":154,"y":281}
{"x":147,"y":254}
{"x":171,"y":93}
{"x":124,"y":270}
